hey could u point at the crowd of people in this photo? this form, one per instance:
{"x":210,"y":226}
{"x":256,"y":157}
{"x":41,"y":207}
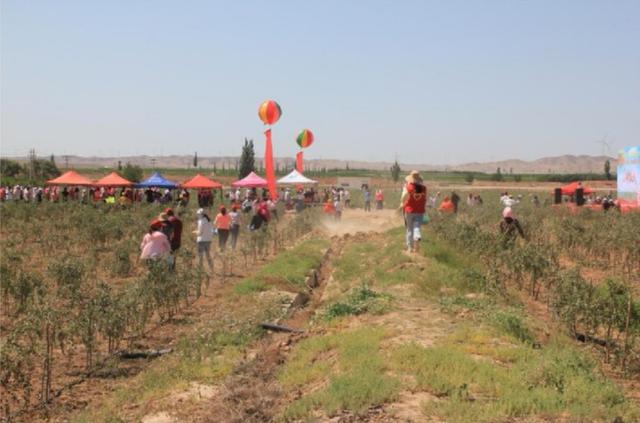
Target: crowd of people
{"x":164,"y":236}
{"x":255,"y":209}
{"x":415,"y":201}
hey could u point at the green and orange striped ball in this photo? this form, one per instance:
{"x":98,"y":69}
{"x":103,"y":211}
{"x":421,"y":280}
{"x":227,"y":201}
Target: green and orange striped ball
{"x":269,"y":112}
{"x":305,"y":138}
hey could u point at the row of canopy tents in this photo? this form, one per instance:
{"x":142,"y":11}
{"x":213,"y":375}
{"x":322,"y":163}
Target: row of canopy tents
{"x":158,"y":181}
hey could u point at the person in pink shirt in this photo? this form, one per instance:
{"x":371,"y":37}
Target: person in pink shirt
{"x":155,"y":245}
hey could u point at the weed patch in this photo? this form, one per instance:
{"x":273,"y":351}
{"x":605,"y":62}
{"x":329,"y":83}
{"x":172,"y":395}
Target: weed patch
{"x":290,"y":267}
{"x":360,"y":300}
{"x":354,"y":380}
{"x":551,"y":382}
{"x":249,"y":286}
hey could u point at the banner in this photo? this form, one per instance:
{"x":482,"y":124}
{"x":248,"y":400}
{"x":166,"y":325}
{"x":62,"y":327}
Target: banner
{"x":629,"y":176}
{"x":268,"y":166}
{"x":299,"y":164}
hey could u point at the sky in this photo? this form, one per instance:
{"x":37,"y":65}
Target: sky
{"x":434,"y":82}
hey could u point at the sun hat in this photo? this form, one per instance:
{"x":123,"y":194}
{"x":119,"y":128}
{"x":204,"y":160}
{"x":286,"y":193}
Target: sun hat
{"x":413,"y":176}
{"x":169,"y":211}
{"x":507,"y":213}
{"x":163,"y":217}
{"x":200,"y":212}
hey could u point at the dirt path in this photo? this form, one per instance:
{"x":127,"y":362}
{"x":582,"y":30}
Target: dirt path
{"x":253,"y":394}
{"x":357,"y":220}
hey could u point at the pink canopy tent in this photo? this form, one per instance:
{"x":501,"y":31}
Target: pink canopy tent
{"x":250,"y":181}
{"x":113,"y":180}
{"x":70,"y":178}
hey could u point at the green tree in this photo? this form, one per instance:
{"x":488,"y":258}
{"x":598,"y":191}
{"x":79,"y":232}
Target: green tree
{"x":247,"y":159}
{"x":498,"y":175}
{"x":395,"y":171}
{"x":607,"y":169}
{"x":119,"y":166}
{"x":132,"y":172}
{"x":468,"y":177}
{"x":10,"y":168}
{"x":43,"y":169}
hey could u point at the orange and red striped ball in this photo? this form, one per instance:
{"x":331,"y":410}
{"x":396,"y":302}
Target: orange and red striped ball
{"x":269,"y":112}
{"x":305,"y":138}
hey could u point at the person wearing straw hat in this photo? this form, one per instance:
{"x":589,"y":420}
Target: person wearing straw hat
{"x":412,"y":204}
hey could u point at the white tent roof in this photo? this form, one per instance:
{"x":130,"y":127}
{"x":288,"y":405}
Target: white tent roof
{"x":296,"y":177}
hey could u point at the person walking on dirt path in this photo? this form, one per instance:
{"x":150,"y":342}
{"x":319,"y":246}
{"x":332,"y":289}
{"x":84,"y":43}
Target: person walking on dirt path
{"x":510,"y":227}
{"x":234,"y":215}
{"x":412,"y":204}
{"x":155,"y":244}
{"x":379,"y":200}
{"x":367,"y":199}
{"x":223,"y":225}
{"x":337,"y":208}
{"x":204,"y":236}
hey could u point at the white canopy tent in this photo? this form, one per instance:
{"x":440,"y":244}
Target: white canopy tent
{"x":296,"y":178}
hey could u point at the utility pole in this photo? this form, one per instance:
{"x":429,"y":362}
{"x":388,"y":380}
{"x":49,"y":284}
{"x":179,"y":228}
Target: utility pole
{"x":153,"y":163}
{"x":605,"y":145}
{"x":66,"y":162}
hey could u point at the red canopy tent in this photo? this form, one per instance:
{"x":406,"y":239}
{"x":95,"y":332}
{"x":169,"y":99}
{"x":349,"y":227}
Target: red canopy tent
{"x":113,"y":180}
{"x":570,"y":189}
{"x":70,"y":178}
{"x":201,"y":182}
{"x":250,"y":181}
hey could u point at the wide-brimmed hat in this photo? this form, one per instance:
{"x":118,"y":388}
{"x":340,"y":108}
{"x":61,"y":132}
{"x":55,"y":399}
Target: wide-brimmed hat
{"x":163,"y":217}
{"x":414,"y":176}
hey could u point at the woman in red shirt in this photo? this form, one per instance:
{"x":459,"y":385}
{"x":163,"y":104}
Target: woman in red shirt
{"x":412,"y":203}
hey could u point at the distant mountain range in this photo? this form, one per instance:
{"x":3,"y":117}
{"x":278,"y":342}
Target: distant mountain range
{"x":558,"y":164}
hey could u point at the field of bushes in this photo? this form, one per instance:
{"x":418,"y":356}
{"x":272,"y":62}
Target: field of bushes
{"x":473,"y":328}
{"x":75,"y":295}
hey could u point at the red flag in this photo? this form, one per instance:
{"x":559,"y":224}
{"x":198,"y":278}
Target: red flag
{"x":268,"y":166}
{"x":299,"y":165}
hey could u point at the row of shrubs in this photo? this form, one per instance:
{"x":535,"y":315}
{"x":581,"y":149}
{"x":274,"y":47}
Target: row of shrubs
{"x":549,"y":264}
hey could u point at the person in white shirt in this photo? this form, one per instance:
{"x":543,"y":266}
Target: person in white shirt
{"x":204,"y":236}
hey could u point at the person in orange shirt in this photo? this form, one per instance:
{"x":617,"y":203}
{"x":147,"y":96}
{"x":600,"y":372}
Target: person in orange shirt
{"x":446,"y":206}
{"x":328,"y":207}
{"x":223,"y":224}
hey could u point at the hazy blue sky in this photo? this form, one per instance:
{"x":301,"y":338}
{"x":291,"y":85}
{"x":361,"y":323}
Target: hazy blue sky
{"x":433,"y":81}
